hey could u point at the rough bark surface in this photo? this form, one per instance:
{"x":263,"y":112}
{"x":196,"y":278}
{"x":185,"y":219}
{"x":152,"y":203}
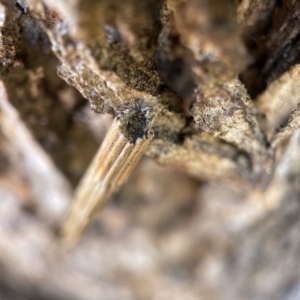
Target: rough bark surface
{"x":221,"y":82}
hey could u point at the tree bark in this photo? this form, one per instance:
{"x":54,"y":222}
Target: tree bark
{"x":220,"y":81}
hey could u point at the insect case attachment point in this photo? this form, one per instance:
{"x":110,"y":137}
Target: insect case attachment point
{"x":109,"y":170}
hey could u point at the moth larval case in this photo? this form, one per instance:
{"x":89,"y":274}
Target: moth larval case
{"x":110,"y":168}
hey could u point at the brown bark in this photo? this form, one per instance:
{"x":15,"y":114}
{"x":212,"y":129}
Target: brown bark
{"x":220,"y":83}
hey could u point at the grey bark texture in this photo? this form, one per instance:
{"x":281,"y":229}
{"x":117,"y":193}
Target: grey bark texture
{"x":221,"y":81}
